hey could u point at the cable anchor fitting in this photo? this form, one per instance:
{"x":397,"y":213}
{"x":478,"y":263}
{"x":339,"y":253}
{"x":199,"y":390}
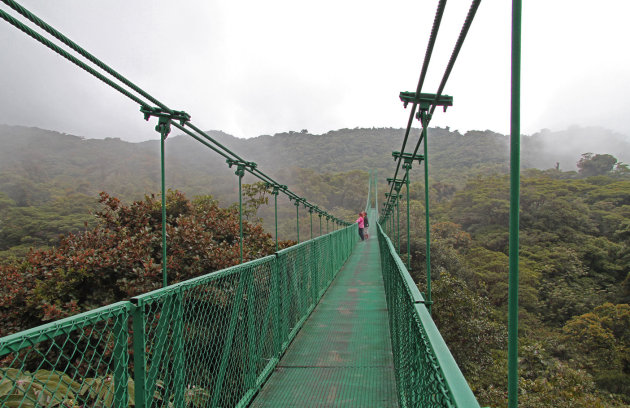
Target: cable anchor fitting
{"x":240,"y":166}
{"x":397,"y":183}
{"x":275,"y":188}
{"x":408,"y":159}
{"x":164,"y":118}
{"x":425,"y":100}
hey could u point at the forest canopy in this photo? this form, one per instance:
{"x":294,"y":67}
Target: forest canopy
{"x":59,"y":231}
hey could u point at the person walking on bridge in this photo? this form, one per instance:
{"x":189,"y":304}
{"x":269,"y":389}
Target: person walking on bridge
{"x":361,"y":226}
{"x":366,"y":224}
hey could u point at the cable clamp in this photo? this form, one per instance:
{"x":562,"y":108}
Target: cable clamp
{"x":241,"y":165}
{"x":425,"y":100}
{"x":164,"y":118}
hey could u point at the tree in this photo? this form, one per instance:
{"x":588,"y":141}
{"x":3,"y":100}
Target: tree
{"x":600,"y":343}
{"x":596,"y":165}
{"x":121,"y":257}
{"x":465,"y":321}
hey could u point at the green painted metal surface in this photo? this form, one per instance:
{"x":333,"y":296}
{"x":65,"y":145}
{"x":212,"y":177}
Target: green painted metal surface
{"x":246,"y":332}
{"x":515,"y":171}
{"x":342,"y":355}
{"x":254,"y":312}
{"x":426,"y":373}
{"x":427,"y":219}
{"x":211,"y":341}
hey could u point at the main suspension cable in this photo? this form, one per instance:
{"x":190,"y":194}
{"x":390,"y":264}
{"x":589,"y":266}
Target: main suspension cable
{"x":19,"y":25}
{"x":425,"y":66}
{"x":195,"y":133}
{"x":451,"y":63}
{"x":458,"y":45}
{"x":52,"y":31}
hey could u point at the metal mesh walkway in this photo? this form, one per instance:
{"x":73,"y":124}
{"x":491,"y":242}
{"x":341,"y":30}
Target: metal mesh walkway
{"x":342,"y":355}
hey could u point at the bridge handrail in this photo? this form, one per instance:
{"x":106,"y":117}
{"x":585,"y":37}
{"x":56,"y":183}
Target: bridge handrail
{"x":426,"y":372}
{"x":207,"y":342}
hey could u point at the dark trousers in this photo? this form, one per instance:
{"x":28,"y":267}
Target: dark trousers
{"x":361,"y":234}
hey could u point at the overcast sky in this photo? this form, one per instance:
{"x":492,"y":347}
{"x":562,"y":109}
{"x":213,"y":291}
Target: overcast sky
{"x":263,"y":67}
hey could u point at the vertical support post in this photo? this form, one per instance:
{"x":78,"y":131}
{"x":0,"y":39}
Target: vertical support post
{"x":178,"y":350}
{"x":398,"y":222}
{"x":275,"y":305}
{"x":392,"y":225}
{"x":121,"y":357}
{"x":320,"y":224}
{"x":139,"y":358}
{"x":376,"y":190}
{"x":284,"y":298}
{"x":425,"y":126}
{"x":515,"y":159}
{"x":310,"y":210}
{"x":327,"y":218}
{"x":367,"y":202}
{"x":275,"y":201}
{"x":251,"y":331}
{"x":164,"y":127}
{"x":407,"y":167}
{"x":297,"y":218}
{"x":240,"y":172}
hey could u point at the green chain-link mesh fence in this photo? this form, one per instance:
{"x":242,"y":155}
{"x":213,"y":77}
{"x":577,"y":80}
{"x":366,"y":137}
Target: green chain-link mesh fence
{"x":426,"y":373}
{"x":74,"y":362}
{"x":207,"y":342}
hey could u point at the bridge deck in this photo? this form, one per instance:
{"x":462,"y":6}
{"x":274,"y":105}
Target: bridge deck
{"x":342,"y":355}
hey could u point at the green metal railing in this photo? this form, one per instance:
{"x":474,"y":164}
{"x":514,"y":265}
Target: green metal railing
{"x":206,"y":342}
{"x":426,"y":373}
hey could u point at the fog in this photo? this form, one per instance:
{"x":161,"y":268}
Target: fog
{"x":251,"y":68}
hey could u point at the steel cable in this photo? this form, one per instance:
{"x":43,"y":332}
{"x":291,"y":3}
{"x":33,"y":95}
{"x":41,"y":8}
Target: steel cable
{"x":425,"y":66}
{"x":458,"y":45}
{"x":49,"y":29}
{"x":30,"y":32}
{"x":227,"y":153}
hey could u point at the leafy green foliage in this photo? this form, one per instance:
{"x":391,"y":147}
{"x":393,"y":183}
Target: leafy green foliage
{"x":574,"y":259}
{"x":575,"y":236}
{"x":467,"y":325}
{"x":596,"y":165}
{"x":121,"y":257}
{"x":600,"y":343}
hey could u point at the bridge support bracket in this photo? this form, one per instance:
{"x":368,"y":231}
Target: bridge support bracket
{"x":425,"y":100}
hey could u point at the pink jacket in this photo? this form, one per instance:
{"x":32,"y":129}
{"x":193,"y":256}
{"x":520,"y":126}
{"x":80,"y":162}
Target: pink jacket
{"x":360,"y":222}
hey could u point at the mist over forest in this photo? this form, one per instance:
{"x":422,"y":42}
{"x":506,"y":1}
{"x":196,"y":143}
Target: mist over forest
{"x":69,"y":206}
{"x":130,"y":170}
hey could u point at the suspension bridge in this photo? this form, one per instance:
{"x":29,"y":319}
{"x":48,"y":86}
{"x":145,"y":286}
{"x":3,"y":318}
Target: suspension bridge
{"x":329,"y":322}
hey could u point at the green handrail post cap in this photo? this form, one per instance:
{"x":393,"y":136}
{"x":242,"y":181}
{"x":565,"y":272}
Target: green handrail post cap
{"x":425,"y":100}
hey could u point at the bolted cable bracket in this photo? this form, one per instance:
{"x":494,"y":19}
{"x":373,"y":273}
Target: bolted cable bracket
{"x":408,"y":158}
{"x":397,"y":183}
{"x":164,"y":118}
{"x":240,"y":166}
{"x":275,"y":188}
{"x":425,"y":100}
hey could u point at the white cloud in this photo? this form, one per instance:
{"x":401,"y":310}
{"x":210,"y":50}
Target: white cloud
{"x":250,"y":68}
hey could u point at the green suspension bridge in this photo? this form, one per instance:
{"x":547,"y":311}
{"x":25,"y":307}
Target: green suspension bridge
{"x":329,"y":322}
